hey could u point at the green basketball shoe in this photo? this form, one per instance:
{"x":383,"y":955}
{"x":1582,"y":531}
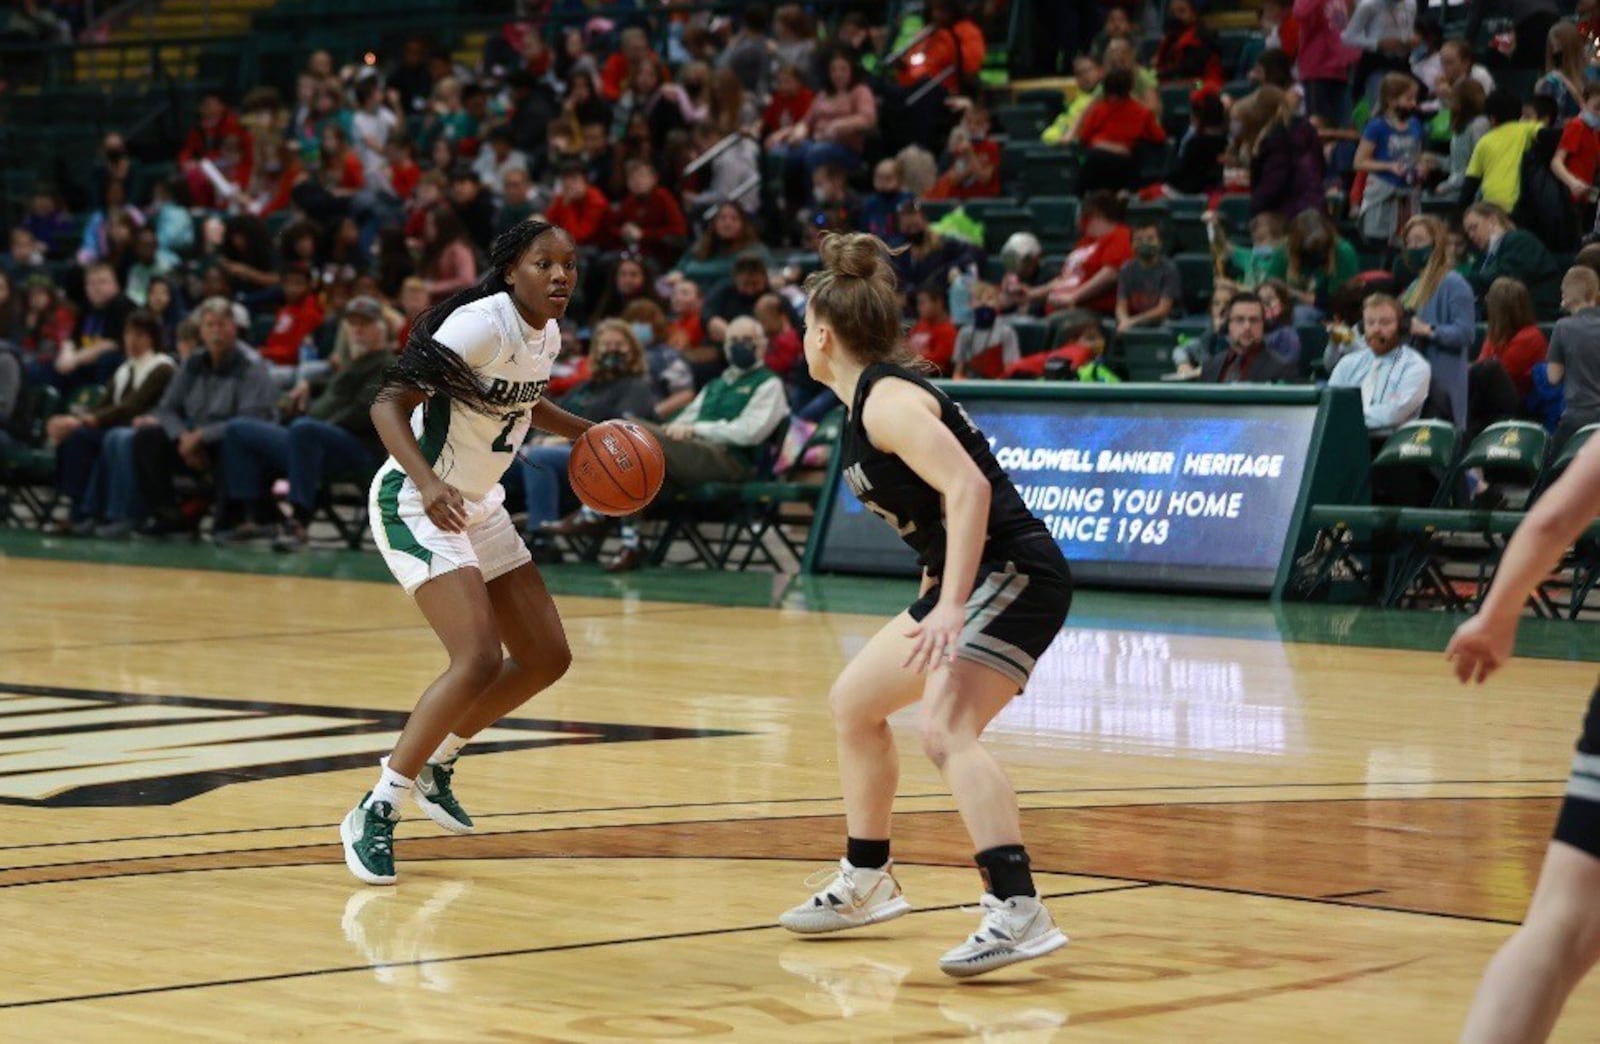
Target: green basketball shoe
{"x":368,"y":836}
{"x":436,"y":799}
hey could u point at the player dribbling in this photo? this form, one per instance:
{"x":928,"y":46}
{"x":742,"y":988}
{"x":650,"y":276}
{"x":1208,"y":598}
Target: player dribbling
{"x":452,"y":413}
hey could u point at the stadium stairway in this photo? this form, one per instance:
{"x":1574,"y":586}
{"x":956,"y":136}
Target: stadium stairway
{"x":166,"y":18}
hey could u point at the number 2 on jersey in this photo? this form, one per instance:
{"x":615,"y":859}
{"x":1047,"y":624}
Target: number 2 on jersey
{"x":502,"y":444}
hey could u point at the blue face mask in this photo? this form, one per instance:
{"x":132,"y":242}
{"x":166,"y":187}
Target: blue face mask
{"x":1590,"y":120}
{"x":1263,"y":250}
{"x":644,"y":333}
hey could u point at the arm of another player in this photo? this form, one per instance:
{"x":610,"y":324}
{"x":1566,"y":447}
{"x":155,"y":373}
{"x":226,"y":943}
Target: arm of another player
{"x":547,"y":416}
{"x":903,"y":419}
{"x":1483,"y":643}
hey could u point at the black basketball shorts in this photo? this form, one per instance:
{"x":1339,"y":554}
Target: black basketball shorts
{"x":1012,"y":616}
{"x":1579,"y":822}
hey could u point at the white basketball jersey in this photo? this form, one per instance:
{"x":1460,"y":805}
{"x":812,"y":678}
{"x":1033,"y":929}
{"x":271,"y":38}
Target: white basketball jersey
{"x":471,"y":450}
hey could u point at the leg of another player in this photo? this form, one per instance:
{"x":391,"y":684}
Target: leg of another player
{"x":871,"y":687}
{"x":958,"y":704}
{"x":1528,"y":981}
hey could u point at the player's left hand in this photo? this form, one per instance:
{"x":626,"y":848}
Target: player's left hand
{"x":680,"y":432}
{"x":1479,"y":648}
{"x":936,"y":639}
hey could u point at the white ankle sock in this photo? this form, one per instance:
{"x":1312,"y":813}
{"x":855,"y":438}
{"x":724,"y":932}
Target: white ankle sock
{"x":391,"y":787}
{"x":448,"y":749}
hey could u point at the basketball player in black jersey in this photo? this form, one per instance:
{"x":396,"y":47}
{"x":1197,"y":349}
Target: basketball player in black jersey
{"x":995,"y":592}
{"x":1528,"y":981}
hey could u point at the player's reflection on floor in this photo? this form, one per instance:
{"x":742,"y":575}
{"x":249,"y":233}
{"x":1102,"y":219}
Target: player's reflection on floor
{"x":845,"y":979}
{"x":393,"y":932}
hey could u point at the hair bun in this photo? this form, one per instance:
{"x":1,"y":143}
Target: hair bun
{"x":854,"y":255}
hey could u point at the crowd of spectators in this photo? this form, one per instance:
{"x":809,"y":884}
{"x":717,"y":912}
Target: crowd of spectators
{"x":1414,"y":203}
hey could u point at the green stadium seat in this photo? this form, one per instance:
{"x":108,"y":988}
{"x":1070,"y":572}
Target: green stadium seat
{"x":1051,"y":100}
{"x":1365,"y":539}
{"x":1033,"y":335}
{"x":1146,"y":353}
{"x":1055,"y":221}
{"x":999,"y":223}
{"x":1053,"y":173}
{"x":1022,"y":120}
{"x":1197,"y":272}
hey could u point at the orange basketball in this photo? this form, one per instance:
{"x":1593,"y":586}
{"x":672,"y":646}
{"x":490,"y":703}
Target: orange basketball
{"x":616,"y":468}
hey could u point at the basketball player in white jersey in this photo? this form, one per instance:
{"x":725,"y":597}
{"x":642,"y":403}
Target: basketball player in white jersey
{"x":452,"y":413}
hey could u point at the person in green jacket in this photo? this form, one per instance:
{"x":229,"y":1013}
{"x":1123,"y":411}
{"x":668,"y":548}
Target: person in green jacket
{"x":335,"y":436}
{"x":718,"y":437}
{"x":1315,"y":262}
{"x":1505,"y":250}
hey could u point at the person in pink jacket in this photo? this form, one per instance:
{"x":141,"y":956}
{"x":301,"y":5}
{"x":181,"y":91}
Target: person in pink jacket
{"x":1324,"y":61}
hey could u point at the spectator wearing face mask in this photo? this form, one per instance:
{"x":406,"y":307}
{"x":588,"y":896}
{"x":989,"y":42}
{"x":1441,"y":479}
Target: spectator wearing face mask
{"x":986,"y":347}
{"x":717,"y":437}
{"x":1149,"y":288}
{"x":618,"y":387}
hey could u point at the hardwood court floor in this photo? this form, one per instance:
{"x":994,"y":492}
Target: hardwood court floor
{"x":1248,"y":839}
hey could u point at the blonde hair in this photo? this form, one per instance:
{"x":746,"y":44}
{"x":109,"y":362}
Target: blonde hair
{"x":1582,"y":281}
{"x":1566,"y":38}
{"x":856,"y":292}
{"x":1419,"y":293}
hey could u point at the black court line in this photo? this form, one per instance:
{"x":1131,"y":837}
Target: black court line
{"x":277,"y":635}
{"x":488,"y":955}
{"x":835,"y":797}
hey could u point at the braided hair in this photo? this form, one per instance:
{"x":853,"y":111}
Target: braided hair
{"x":427,"y":364}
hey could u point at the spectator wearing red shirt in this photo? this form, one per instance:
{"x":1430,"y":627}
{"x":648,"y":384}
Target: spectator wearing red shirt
{"x":1088,"y":279}
{"x":686,"y":330}
{"x":579,"y":207}
{"x":786,"y":355}
{"x":217,"y":125}
{"x":298,"y":319}
{"x":956,"y":44}
{"x":1577,"y":159}
{"x":1110,"y":130}
{"x":1187,"y":52}
{"x":1280,"y":27}
{"x":1514,"y":339}
{"x":974,"y":169}
{"x":791,"y":100}
{"x":634,"y":51}
{"x":934,"y":336}
{"x":648,"y":219}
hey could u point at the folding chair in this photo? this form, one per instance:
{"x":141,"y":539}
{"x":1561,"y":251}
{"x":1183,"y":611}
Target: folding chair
{"x":1352,"y":538}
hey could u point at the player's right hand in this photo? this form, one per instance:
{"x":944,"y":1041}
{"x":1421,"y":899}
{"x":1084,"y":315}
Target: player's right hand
{"x":445,"y":506}
{"x":1479,"y":648}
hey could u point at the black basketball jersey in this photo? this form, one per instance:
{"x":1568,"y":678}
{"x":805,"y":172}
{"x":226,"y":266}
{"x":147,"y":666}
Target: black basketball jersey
{"x":894,"y":492}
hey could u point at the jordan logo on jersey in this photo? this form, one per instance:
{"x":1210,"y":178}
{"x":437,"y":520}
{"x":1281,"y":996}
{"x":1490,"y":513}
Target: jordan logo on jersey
{"x":75,"y":747}
{"x":516,"y":393}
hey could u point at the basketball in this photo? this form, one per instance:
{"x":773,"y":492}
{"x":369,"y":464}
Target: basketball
{"x":616,"y":468}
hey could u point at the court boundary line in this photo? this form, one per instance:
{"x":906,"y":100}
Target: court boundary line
{"x":665,"y":608}
{"x":798,"y":801}
{"x":492,"y":955}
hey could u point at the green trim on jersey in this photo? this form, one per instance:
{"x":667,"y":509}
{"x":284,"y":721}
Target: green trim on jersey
{"x":435,"y":433}
{"x":400,"y":536}
{"x":435,"y":427}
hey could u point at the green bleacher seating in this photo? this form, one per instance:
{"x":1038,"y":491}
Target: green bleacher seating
{"x":1197,"y":271}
